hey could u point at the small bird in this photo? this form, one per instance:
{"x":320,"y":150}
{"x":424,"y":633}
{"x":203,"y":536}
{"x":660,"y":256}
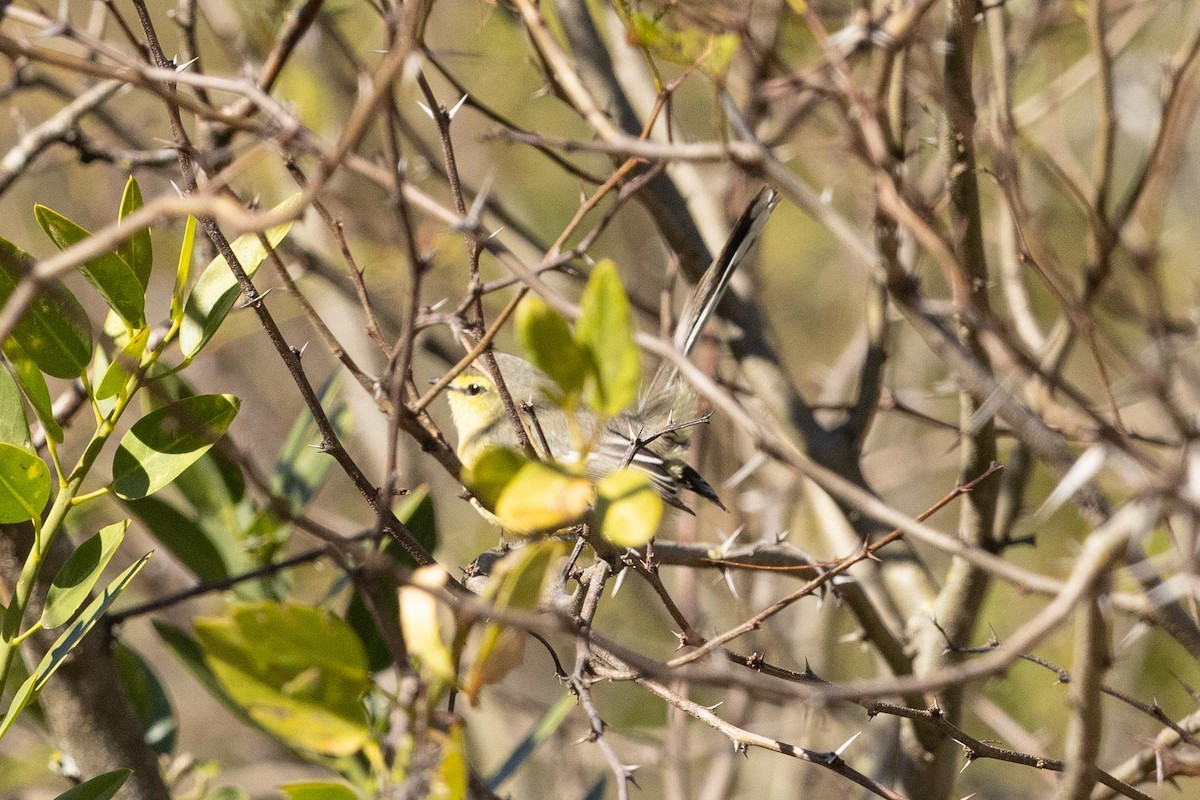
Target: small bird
{"x":652,"y":435}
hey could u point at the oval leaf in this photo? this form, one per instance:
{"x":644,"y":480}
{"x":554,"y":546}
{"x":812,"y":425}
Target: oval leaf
{"x":605,"y":329}
{"x":528,"y":496}
{"x":217,"y":290}
{"x":299,"y":671}
{"x":24,"y":484}
{"x":301,"y":467}
{"x":547,"y":342}
{"x":421,"y":623}
{"x":66,"y":642}
{"x":182,"y":536}
{"x":149,"y":699}
{"x":123,"y":366}
{"x":165,"y":442}
{"x":101,"y":787}
{"x":628,"y":508}
{"x":136,"y":250}
{"x":318,"y":790}
{"x":183,"y":269}
{"x":54,"y":331}
{"x":33,"y":384}
{"x":108,"y":272}
{"x":75,"y":580}
{"x":14,"y":428}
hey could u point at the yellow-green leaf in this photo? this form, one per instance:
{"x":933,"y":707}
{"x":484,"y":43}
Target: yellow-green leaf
{"x":123,"y":366}
{"x":217,"y":290}
{"x":318,"y":790}
{"x":136,"y":250}
{"x":116,"y":281}
{"x":54,"y":331}
{"x":14,"y":428}
{"x":101,"y":787}
{"x":628,"y":509}
{"x":605,"y":330}
{"x":711,"y":52}
{"x":421,"y":621}
{"x":517,"y":581}
{"x":451,"y":780}
{"x":547,"y":342}
{"x":164,"y":443}
{"x":24,"y":483}
{"x":79,"y":574}
{"x":529,"y":496}
{"x":33,"y":385}
{"x":299,"y":672}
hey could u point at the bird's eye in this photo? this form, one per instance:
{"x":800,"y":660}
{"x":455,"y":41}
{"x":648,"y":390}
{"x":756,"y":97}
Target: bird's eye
{"x":474,"y":389}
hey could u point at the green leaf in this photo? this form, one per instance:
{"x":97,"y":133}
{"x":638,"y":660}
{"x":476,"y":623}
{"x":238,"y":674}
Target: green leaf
{"x":33,"y":384}
{"x":136,"y":251}
{"x":191,"y":655}
{"x":165,"y":442}
{"x":301,"y":467}
{"x":24,"y":483}
{"x":605,"y":329}
{"x":417,"y":513}
{"x":183,"y":269}
{"x":451,"y":780}
{"x":54,"y":331}
{"x":547,"y":342}
{"x":182,"y":536}
{"x":75,"y":580}
{"x":628,"y":507}
{"x":528,"y":496}
{"x":217,"y":290}
{"x":318,"y":790}
{"x":711,"y":52}
{"x":101,"y":787}
{"x":517,"y":581}
{"x":299,"y":671}
{"x":123,"y":366}
{"x":108,"y":272}
{"x":422,"y":624}
{"x":67,"y":641}
{"x":14,"y":428}
{"x":149,"y":699}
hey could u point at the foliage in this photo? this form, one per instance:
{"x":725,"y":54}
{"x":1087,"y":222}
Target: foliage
{"x":954,"y":305}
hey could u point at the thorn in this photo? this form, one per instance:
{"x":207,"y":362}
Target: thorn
{"x":728,"y":575}
{"x":427,"y":110}
{"x":620,"y":580}
{"x":186,"y":64}
{"x":846,"y":744}
{"x":727,"y":542}
{"x":450,"y":114}
{"x":495,"y":233}
{"x":714,"y":706}
{"x":481,"y":197}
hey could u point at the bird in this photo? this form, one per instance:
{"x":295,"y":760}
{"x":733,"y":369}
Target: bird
{"x":651,"y":435}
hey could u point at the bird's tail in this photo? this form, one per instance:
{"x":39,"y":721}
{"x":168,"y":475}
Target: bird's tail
{"x":707,"y":295}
